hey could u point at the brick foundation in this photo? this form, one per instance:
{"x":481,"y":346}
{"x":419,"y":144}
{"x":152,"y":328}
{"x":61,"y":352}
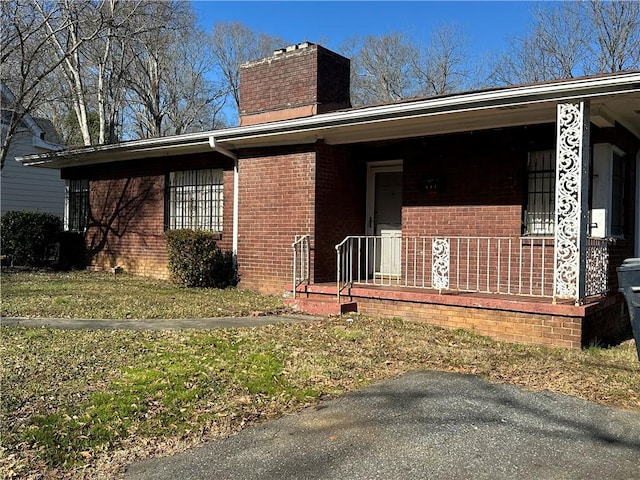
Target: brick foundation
{"x":525,"y":320}
{"x":517,"y":327}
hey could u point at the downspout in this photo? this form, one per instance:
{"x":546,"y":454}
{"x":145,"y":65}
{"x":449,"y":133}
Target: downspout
{"x":228,"y":153}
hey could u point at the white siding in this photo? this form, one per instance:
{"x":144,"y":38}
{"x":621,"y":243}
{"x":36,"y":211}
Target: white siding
{"x":29,"y":188}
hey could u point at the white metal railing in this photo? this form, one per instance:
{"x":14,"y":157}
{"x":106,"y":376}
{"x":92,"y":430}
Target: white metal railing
{"x":506,"y":265}
{"x":301,"y":261}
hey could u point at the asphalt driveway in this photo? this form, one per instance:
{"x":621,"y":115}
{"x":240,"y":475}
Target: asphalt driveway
{"x":424,"y":425}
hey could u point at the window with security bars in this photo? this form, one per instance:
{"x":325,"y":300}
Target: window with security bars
{"x":541,"y":182}
{"x":77,"y":205}
{"x":194,"y":200}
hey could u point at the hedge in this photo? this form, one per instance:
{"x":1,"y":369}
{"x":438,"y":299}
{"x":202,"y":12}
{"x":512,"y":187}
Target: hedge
{"x":30,"y":238}
{"x":33,"y":239}
{"x":196,"y":261}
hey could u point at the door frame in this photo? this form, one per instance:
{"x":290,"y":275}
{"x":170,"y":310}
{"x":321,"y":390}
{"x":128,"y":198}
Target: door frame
{"x":372,"y":169}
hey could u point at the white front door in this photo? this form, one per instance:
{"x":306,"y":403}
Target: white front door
{"x":384,"y":216}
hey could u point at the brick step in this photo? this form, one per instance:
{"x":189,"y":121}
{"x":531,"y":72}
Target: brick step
{"x":321,"y":306}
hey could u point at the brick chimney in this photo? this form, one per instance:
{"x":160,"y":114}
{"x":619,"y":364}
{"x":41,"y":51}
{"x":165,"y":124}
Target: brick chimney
{"x":297,"y":81}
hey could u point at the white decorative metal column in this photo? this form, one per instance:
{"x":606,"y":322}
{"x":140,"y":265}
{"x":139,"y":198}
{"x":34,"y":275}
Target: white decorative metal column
{"x":571,"y":203}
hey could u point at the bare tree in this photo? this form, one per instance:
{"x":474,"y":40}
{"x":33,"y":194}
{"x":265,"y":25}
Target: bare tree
{"x":30,"y":28}
{"x":444,"y":65}
{"x":76,"y":20}
{"x":233,"y":44}
{"x":170,"y":91}
{"x":617,"y":30}
{"x":144,"y":75}
{"x":569,"y":39}
{"x":381,"y":68}
{"x":111,"y":57}
{"x":193,"y":100}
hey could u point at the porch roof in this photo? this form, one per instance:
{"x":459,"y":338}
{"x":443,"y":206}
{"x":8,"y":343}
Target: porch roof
{"x":614,"y":98}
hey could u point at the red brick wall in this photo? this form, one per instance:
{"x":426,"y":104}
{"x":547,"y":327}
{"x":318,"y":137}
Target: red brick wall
{"x":126,"y":225}
{"x":334,"y":76}
{"x":510,"y":326}
{"x":277,"y":197}
{"x":482,"y":186}
{"x":310,"y":76}
{"x":340,"y":205}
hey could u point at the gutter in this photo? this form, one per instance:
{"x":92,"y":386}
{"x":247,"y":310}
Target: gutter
{"x":236,"y":189}
{"x":276,"y":133}
{"x":505,"y":97}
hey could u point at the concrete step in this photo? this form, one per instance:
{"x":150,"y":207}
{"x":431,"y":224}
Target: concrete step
{"x":321,"y":306}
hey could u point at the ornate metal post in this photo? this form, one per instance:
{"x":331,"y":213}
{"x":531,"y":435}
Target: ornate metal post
{"x":571,"y":204}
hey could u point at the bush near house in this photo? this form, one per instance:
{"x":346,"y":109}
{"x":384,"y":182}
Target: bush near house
{"x":196,"y":261}
{"x":33,"y":239}
{"x":30,"y":238}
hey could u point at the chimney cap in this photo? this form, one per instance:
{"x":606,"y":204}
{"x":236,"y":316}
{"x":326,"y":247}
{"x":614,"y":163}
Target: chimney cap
{"x":292,"y":48}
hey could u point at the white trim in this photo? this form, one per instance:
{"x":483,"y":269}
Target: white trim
{"x":372,"y":169}
{"x":236,"y":196}
{"x":236,"y":188}
{"x":500,"y":102}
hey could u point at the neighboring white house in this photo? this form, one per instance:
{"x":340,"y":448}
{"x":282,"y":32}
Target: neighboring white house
{"x":27,"y":188}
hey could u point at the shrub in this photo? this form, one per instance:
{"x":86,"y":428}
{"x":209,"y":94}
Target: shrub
{"x":196,"y":261}
{"x":30,"y":238}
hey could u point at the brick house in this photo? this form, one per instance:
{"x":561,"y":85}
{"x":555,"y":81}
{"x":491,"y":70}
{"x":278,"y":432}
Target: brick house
{"x":503,"y":210}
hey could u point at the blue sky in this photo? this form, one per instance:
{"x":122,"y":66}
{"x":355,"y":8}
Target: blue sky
{"x":487,"y":25}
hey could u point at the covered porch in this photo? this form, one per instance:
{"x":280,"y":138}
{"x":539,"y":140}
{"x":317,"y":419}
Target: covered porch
{"x":478,"y":250}
{"x":500,"y":287}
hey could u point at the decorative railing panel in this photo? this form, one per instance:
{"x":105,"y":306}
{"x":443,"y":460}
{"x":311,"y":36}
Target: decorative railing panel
{"x":596,"y":282}
{"x":572,"y":173}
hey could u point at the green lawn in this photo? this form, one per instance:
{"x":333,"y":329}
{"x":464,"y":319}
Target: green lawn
{"x":104,"y":295}
{"x":83,"y":404}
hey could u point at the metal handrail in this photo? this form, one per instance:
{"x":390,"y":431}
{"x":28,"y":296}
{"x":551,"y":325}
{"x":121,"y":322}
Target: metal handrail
{"x":301,"y":243}
{"x":339,"y":247}
{"x":520,"y":265}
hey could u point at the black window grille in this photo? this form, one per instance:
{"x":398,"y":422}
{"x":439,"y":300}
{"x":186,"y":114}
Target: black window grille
{"x":77,"y":210}
{"x":195,"y":200}
{"x":541,"y":183}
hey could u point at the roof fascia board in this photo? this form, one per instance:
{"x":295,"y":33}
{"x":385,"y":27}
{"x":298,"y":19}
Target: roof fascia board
{"x":509,"y":97}
{"x":156,"y":147}
{"x":313,"y":127}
